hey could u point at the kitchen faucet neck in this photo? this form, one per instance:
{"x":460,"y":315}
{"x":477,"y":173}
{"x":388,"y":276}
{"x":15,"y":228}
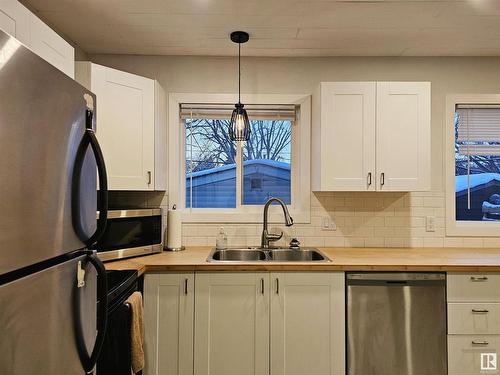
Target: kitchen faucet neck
{"x":266,"y":236}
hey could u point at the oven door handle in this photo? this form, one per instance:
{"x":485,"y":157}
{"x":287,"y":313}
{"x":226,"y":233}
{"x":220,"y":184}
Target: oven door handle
{"x":89,"y":360}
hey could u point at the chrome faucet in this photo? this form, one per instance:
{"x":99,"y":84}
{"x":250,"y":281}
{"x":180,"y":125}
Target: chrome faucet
{"x":269,"y":237}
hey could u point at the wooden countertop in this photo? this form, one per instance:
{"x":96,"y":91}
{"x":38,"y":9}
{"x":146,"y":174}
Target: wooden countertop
{"x":342,"y":259}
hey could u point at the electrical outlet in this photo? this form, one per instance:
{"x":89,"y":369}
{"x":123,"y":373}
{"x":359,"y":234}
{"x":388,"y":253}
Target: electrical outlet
{"x":430,"y":224}
{"x":328,"y":224}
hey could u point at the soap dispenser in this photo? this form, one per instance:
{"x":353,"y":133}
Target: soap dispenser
{"x":221,"y":241}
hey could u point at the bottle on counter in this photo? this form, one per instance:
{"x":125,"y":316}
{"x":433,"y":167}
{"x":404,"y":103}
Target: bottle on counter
{"x":221,"y":241}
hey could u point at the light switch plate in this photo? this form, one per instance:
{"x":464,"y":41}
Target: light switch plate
{"x":327,"y":223}
{"x":430,"y":224}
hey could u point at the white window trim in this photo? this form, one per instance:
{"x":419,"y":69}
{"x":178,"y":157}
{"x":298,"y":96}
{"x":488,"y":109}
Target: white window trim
{"x":453,"y":227}
{"x":301,"y":183}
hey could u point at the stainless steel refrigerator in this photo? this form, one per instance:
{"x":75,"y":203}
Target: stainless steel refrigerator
{"x":50,"y":321}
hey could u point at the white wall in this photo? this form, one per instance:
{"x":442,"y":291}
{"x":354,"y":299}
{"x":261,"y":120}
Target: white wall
{"x":364,"y":219}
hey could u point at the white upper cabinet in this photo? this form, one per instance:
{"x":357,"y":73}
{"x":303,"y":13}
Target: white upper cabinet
{"x":131,"y":126}
{"x":15,"y":20}
{"x":403,"y":136}
{"x":51,"y":47}
{"x":19,"y":22}
{"x":371,"y":136}
{"x":346,"y":146}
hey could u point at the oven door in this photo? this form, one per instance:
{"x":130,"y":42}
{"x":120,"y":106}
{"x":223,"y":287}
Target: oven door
{"x":131,"y":233}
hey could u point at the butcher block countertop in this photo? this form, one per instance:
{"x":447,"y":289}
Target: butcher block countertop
{"x":342,"y":259}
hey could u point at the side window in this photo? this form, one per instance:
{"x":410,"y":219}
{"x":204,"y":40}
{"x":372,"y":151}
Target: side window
{"x":477,"y":163}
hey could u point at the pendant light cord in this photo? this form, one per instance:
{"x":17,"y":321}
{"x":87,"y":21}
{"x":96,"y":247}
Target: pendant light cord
{"x":239,"y":73}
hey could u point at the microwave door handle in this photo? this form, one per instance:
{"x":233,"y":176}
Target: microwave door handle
{"x":89,"y":138}
{"x":89,"y":361}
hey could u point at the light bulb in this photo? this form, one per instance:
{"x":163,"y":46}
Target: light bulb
{"x":240,"y":123}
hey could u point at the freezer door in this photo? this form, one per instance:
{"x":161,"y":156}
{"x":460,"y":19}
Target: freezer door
{"x":42,"y":122}
{"x":37,"y":321}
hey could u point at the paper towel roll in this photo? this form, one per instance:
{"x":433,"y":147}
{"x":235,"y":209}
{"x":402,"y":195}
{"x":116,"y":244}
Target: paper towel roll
{"x":174,"y":230}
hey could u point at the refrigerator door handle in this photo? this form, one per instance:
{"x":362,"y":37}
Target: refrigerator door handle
{"x":89,"y":361}
{"x":103,"y":188}
{"x":89,"y":138}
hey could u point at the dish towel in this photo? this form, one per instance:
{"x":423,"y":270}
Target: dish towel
{"x":136,"y":332}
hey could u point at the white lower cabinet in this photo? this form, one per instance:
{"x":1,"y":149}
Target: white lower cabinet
{"x":474,"y":318}
{"x":270,"y":323}
{"x":168,"y":316}
{"x":472,"y":355}
{"x":473,"y":287}
{"x":473,"y":323}
{"x":231,"y":324}
{"x":307,"y":323}
{"x":245,"y":323}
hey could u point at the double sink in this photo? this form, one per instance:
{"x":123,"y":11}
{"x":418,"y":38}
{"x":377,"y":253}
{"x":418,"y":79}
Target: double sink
{"x":266,"y":252}
{"x":267,"y":255}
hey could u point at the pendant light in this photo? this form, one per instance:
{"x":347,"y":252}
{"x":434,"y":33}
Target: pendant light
{"x":239,"y":127}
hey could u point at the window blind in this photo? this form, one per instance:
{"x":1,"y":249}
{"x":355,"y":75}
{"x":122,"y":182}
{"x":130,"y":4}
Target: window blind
{"x":478,"y":134}
{"x":223,"y":111}
{"x":478,"y":129}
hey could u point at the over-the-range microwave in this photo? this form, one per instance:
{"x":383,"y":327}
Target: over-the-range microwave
{"x":130,"y":233}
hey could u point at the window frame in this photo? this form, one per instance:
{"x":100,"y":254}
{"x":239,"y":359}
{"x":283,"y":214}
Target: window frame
{"x":300,"y":161}
{"x":454,"y":227}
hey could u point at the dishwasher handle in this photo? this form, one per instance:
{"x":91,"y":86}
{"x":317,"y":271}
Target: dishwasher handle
{"x":395,"y":278}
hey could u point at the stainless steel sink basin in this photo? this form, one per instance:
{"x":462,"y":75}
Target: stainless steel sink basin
{"x":297,"y":256}
{"x":267,"y":255}
{"x":237,"y":255}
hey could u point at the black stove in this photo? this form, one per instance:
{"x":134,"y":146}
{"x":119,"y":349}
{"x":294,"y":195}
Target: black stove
{"x":121,"y":284}
{"x":115,"y":357}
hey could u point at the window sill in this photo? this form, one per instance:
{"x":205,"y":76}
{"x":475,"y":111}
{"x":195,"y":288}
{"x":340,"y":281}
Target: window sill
{"x":473,"y":228}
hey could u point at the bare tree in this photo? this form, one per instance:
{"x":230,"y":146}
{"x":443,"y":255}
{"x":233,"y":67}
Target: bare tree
{"x":210,"y":145}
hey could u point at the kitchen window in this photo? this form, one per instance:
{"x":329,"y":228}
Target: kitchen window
{"x":222,"y":180}
{"x":473,"y":167}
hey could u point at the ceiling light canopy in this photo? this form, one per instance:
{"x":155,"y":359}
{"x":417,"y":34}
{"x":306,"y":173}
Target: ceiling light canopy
{"x":239,"y":127}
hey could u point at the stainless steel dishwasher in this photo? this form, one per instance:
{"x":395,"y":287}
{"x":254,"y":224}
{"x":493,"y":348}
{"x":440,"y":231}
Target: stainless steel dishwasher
{"x":396,"y":324}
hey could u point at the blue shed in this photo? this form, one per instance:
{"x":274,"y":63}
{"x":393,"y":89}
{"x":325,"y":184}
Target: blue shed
{"x":216,"y":187}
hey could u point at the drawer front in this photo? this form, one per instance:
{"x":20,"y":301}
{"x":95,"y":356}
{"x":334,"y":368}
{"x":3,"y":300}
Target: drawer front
{"x":473,"y":287}
{"x":472,"y":355}
{"x":474,"y":318}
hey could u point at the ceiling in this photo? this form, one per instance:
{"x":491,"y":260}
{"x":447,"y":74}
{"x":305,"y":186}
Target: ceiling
{"x":278,"y":27}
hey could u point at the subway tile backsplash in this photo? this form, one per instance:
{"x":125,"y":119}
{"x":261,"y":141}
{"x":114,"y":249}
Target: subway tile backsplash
{"x":361,"y":219}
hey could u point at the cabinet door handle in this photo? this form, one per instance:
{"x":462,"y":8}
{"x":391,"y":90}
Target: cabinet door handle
{"x":369,"y":178}
{"x":262,"y":286}
{"x":479,"y":342}
{"x":382,"y":178}
{"x":478,"y":278}
{"x":185,"y":286}
{"x":277,"y":286}
{"x":149,"y":177}
{"x":480,"y":311}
